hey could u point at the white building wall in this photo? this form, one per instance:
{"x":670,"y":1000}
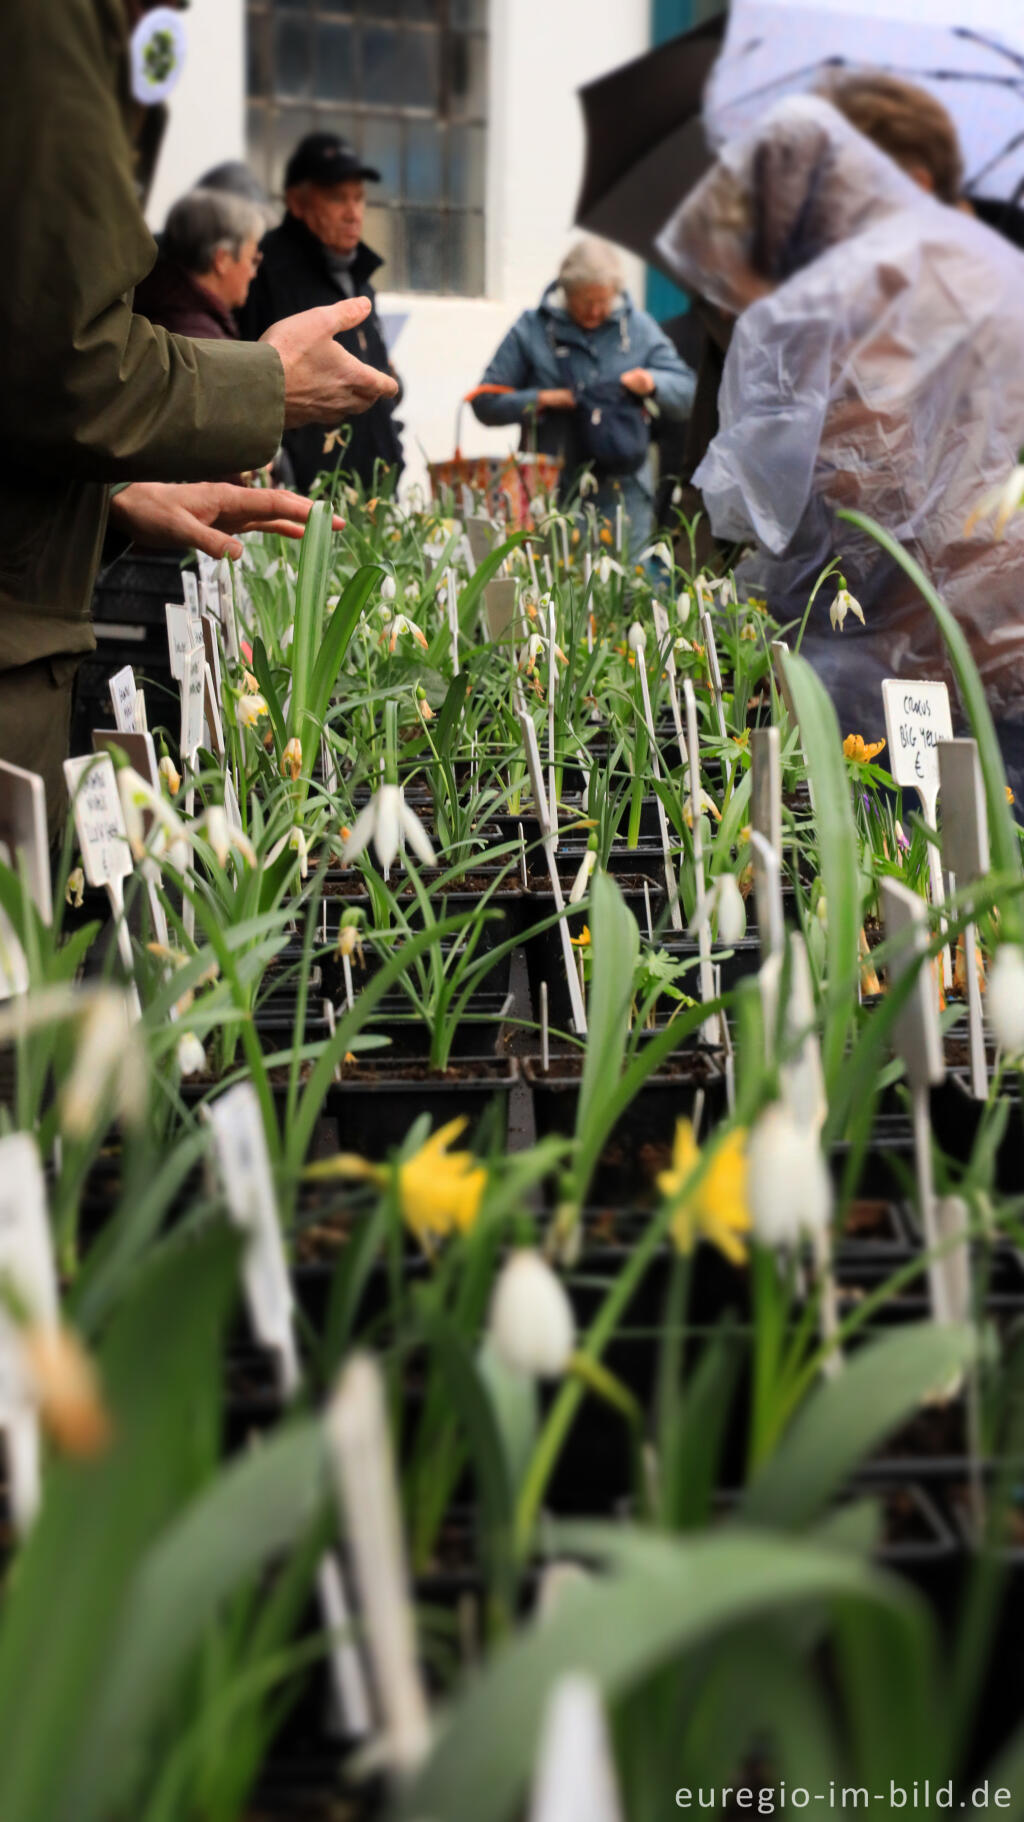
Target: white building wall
{"x":541,"y":51}
{"x":207,"y":109}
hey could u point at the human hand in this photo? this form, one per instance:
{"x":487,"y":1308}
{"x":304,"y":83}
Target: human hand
{"x":323,"y":383}
{"x":207,"y":514}
{"x":555,"y":398}
{"x":639,"y":382}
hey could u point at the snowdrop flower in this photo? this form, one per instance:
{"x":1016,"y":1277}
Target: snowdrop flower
{"x":844,"y":604}
{"x":296,"y":840}
{"x":532,"y":1328}
{"x":732,"y":913}
{"x":1005,"y":998}
{"x":170,"y":775}
{"x":999,"y":503}
{"x":250,"y":709}
{"x":704,"y":804}
{"x":222,"y":837}
{"x":398,"y":628}
{"x":537,"y":648}
{"x":74,"y":891}
{"x":189,"y":1054}
{"x":607,"y":567}
{"x":384,"y":820}
{"x":704,"y":593}
{"x":288,"y":635}
{"x":388,"y":588}
{"x":108,"y":1060}
{"x":637,"y":637}
{"x":658,"y":553}
{"x":582,"y":880}
{"x":789,"y":1186}
{"x":138,"y":798}
{"x":291,"y":759}
{"x":684,"y":605}
{"x":63,"y":1385}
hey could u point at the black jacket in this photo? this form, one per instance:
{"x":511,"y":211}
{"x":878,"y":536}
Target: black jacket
{"x":295,"y":276}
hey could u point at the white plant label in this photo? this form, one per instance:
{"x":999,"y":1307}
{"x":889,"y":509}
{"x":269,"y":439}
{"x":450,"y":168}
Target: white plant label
{"x":23,"y":832}
{"x":244,"y":1166}
{"x":193,"y":702}
{"x":181,"y":637}
{"x":212,"y":648}
{"x":500,"y":606}
{"x":122,"y":699}
{"x":190,"y":588}
{"x":137,"y":748}
{"x":917,"y":717}
{"x":26,"y":1258}
{"x":99,"y":820}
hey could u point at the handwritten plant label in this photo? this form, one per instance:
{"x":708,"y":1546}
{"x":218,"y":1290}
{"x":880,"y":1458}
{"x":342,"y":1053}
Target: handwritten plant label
{"x":26,"y":1261}
{"x":191,"y":590}
{"x":137,"y":748}
{"x":244,"y":1168}
{"x":211,"y":714}
{"x":181,"y":636}
{"x":193,"y":701}
{"x":99,"y":820}
{"x":122,"y":698}
{"x":917,"y":717}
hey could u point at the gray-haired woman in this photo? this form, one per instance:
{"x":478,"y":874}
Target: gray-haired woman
{"x":584,"y":334}
{"x":209,"y":253}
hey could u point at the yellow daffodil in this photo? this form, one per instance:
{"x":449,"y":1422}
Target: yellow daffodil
{"x":583,"y":940}
{"x":438,"y":1189}
{"x":857,"y":748}
{"x":717,"y":1210}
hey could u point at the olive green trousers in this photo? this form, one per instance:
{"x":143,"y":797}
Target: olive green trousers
{"x":35,"y":726}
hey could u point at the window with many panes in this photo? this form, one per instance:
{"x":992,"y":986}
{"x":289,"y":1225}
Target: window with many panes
{"x":406,"y":82}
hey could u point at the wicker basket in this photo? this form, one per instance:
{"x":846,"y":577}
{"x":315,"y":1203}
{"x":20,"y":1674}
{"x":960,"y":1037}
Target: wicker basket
{"x":507,"y":482}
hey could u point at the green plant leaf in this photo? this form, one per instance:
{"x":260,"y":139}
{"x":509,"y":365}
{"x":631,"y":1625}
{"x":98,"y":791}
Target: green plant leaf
{"x":342,"y":624}
{"x":665,"y":1599}
{"x":847,"y":1417}
{"x":310,"y":601}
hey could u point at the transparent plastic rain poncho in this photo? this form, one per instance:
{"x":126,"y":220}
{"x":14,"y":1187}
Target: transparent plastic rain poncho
{"x":877,"y":363}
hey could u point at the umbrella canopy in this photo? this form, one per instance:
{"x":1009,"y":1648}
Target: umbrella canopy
{"x":968,"y":53}
{"x":646,"y":145}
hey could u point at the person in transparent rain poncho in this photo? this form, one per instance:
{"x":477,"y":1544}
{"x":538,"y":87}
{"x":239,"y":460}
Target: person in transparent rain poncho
{"x":877,"y":363}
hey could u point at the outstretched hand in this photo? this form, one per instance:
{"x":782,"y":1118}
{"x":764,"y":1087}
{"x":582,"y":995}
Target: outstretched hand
{"x":207,"y":514}
{"x":323,"y":383}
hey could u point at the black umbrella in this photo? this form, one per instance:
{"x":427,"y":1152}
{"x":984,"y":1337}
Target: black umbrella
{"x":645,"y":141}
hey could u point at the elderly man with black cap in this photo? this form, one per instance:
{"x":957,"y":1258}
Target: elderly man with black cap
{"x":316,"y":255}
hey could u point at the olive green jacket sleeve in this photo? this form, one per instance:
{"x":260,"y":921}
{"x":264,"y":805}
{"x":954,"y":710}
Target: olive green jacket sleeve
{"x":86,"y":387}
{"x":89,"y":392}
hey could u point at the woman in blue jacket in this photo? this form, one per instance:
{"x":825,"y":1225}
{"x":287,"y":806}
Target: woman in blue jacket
{"x":585,"y":331}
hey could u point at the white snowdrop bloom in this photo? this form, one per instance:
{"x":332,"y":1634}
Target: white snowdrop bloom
{"x":223,"y":836}
{"x":250,"y":709}
{"x":384,"y":820}
{"x":388,"y":588}
{"x":170,"y":775}
{"x":532,"y":1327}
{"x":296,"y":840}
{"x":412,"y":591}
{"x":582,"y":880}
{"x":724,"y":589}
{"x":999,"y":503}
{"x":732,"y":912}
{"x":789,"y":1187}
{"x":607,"y":568}
{"x":399,"y":628}
{"x":189,"y":1054}
{"x":138,"y":799}
{"x":844,"y":604}
{"x":109,"y":1059}
{"x":287,"y":636}
{"x":1005,"y":998}
{"x":684,"y":605}
{"x":659,"y":553}
{"x":705,"y":593}
{"x":637,"y":637}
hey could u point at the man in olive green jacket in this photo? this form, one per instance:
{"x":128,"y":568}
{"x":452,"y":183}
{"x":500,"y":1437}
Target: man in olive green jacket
{"x":91,"y":394}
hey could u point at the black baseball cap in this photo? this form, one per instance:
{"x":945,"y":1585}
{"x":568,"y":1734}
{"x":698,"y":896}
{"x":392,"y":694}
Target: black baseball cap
{"x":326,"y":158}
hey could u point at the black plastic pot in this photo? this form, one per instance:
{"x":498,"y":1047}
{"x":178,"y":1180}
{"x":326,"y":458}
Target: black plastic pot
{"x":640,"y":1144}
{"x":374,"y":1106}
{"x":479,"y":1031}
